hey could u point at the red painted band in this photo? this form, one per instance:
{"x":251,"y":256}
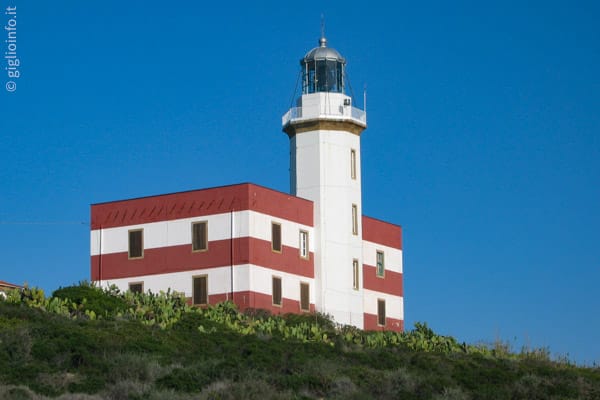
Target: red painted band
{"x":218,"y":200}
{"x":391,"y":283}
{"x":391,"y":324}
{"x":380,"y":232}
{"x":164,"y":260}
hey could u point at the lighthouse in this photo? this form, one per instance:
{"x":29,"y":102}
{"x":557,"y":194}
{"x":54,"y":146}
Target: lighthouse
{"x":324,"y":131}
{"x":309,"y":250}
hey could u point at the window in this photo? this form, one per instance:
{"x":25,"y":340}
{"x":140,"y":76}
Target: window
{"x":354,"y":219}
{"x":276,"y":237}
{"x":380,"y":312}
{"x":200,"y":290}
{"x":304,"y":298}
{"x":380,"y":264}
{"x":353,"y":163}
{"x":200,"y":236}
{"x":136,"y":243}
{"x":276,"y":291}
{"x":355,"y":281}
{"x":303,"y":244}
{"x":136,"y":287}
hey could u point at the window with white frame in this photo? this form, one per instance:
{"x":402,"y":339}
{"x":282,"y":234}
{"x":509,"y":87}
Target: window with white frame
{"x":304,"y":244}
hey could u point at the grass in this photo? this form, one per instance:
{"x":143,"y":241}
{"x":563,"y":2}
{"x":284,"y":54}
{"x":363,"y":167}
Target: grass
{"x":45,"y":355}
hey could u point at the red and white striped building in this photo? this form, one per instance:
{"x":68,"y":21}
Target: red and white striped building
{"x":311,"y":250}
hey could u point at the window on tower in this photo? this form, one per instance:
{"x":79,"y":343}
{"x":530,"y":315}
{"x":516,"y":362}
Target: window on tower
{"x":355,"y":276}
{"x":353,"y":164}
{"x":354,"y":219}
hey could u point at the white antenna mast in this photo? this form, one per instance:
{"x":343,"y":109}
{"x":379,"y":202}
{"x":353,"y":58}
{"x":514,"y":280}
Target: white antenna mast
{"x":365,"y":97}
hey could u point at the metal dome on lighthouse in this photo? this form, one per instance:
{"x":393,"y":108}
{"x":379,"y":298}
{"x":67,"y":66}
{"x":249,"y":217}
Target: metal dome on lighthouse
{"x":323,"y":70}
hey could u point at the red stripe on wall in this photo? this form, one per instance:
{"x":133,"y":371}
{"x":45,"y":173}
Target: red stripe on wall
{"x":381,"y":232}
{"x":170,"y":259}
{"x":245,"y":196}
{"x":248,"y":299}
{"x":391,"y":283}
{"x":391,"y":324}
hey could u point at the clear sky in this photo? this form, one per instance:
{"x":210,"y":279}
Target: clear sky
{"x":483,"y":139}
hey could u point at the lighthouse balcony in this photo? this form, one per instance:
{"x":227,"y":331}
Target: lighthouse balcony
{"x":325,"y":106}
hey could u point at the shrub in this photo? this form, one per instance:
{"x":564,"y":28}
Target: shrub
{"x":93,"y":299}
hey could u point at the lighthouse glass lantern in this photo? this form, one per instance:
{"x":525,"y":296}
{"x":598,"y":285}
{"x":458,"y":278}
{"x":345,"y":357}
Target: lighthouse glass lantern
{"x":322,"y":70}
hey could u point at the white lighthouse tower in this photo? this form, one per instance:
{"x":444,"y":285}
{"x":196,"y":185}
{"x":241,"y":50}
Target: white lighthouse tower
{"x":324,"y":130}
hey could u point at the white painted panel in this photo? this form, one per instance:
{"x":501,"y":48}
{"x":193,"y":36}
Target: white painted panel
{"x":290,"y":284}
{"x":219,"y":280}
{"x":392,"y":257}
{"x":178,"y":232}
{"x":260,"y":228}
{"x":394,"y":305}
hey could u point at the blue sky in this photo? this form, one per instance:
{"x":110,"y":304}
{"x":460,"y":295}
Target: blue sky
{"x":483,"y":140}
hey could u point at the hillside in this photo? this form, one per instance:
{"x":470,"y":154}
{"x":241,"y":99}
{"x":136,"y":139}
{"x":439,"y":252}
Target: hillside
{"x":83,"y":343}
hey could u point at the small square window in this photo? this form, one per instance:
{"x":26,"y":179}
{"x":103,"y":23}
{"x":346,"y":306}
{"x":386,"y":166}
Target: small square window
{"x":200,"y":236}
{"x":304,"y":297}
{"x":355,"y":276}
{"x":380,"y":264}
{"x":200,"y":290}
{"x":303,"y":244}
{"x":276,"y":237}
{"x":136,"y":287}
{"x":381,"y":312}
{"x":276,"y":291}
{"x":136,"y":243}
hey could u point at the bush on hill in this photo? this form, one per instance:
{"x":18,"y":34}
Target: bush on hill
{"x":154,"y":346}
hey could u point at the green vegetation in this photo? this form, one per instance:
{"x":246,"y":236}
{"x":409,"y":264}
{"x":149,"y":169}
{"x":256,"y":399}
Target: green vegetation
{"x":86,"y":343}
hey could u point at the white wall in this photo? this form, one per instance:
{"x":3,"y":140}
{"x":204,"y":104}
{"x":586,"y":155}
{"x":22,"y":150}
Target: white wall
{"x":320,"y":172}
{"x":179,"y":232}
{"x":247,"y":277}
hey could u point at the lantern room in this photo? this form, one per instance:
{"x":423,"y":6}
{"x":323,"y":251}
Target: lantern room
{"x":323,"y":70}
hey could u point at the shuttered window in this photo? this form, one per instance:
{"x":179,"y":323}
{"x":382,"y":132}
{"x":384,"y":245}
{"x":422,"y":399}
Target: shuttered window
{"x":276,"y":237}
{"x":200,"y":236}
{"x":304,"y":297}
{"x":137,"y":287}
{"x":136,"y":243}
{"x":276,"y":291}
{"x":381,"y":312}
{"x":380,"y":264}
{"x":200,"y":290}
